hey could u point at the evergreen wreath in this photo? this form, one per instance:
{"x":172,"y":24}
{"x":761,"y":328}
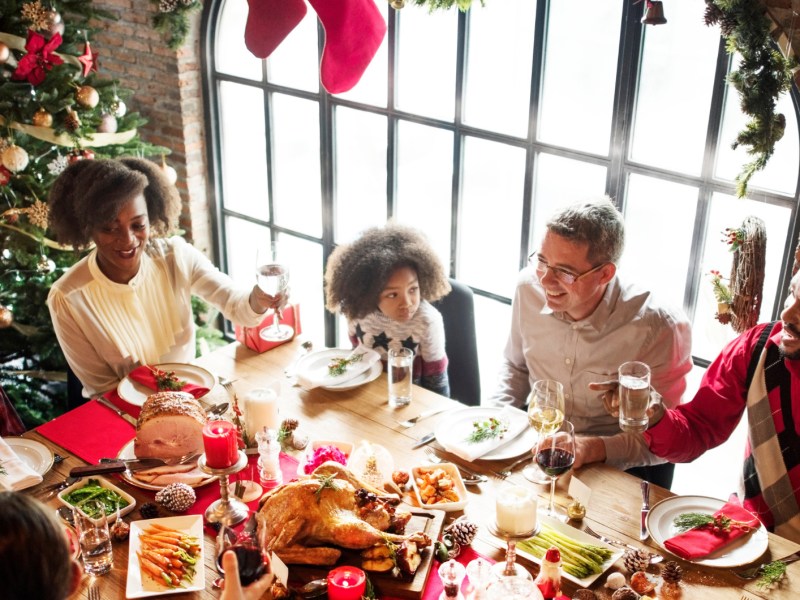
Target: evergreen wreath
{"x":763,"y":75}
{"x":172,"y":19}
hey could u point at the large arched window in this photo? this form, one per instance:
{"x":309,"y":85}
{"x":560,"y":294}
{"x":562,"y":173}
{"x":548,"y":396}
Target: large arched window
{"x":474,"y":126}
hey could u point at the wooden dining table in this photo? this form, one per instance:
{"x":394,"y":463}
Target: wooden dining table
{"x":363,"y":413}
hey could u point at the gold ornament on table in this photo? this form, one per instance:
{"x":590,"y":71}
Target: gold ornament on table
{"x":87,"y":96}
{"x":6,"y":317}
{"x":42,"y":118}
{"x":14,"y":158}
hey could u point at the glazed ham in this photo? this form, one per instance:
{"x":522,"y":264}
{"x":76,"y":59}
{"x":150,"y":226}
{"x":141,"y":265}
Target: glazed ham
{"x":190,"y":474}
{"x":169,"y":426}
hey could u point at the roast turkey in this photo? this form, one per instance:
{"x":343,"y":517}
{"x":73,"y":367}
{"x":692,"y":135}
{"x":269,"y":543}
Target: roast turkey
{"x":170,"y":425}
{"x":308,"y":521}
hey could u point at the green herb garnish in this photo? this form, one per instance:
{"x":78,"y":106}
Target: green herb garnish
{"x":2,"y":470}
{"x":771,"y":573}
{"x":167,"y":381}
{"x":338,"y":366}
{"x":109,"y":499}
{"x":486,"y":430}
{"x":717,"y":524}
{"x":326,"y":481}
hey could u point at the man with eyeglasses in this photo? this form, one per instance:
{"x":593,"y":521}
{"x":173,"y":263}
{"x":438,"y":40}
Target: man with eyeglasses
{"x":575,"y":321}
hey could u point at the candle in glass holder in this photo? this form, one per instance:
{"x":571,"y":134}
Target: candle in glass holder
{"x":516,"y":510}
{"x":346,"y":583}
{"x":220,"y":444}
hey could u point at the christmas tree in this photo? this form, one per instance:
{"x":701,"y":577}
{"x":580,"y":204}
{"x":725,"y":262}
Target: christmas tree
{"x":55,"y":108}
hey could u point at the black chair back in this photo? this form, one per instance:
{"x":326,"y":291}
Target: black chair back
{"x":461,"y":344}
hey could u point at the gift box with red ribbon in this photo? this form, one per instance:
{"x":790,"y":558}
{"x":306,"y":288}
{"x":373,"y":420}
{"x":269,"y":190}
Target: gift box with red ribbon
{"x":250,"y":336}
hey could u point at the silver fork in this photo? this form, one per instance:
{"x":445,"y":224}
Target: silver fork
{"x":423,"y":415}
{"x":508,"y":470}
{"x":466,"y":473}
{"x":94,"y":589}
{"x":654,"y":558}
{"x":755,"y":571}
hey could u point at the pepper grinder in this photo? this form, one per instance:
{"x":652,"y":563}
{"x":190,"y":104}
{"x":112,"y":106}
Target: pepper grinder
{"x":452,"y":574}
{"x":269,"y":466}
{"x":479,"y":572}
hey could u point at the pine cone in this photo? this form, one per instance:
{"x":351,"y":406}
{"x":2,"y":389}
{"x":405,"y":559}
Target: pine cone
{"x":148,"y":510}
{"x":636,"y":560}
{"x":176,"y":497}
{"x":625,"y":593}
{"x":463,"y":531}
{"x":584,"y":595}
{"x":71,"y":120}
{"x":671,"y":572}
{"x":289,"y":425}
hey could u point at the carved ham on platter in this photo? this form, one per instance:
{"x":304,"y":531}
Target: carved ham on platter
{"x":310,"y":520}
{"x":170,"y":425}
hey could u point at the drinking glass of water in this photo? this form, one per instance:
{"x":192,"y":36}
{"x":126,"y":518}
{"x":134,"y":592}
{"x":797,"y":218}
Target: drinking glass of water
{"x":400,"y":365}
{"x":272,"y":275}
{"x":91,"y":523}
{"x":634,"y":396}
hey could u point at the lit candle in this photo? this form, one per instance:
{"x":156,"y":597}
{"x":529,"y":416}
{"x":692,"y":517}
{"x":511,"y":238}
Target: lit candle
{"x":516,"y":510}
{"x":346,"y":583}
{"x":220,"y":444}
{"x":260,"y":411}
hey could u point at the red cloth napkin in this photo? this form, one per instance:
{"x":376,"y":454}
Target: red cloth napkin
{"x":125,"y":406}
{"x":91,"y":432}
{"x":700,"y":542}
{"x":145,"y":376}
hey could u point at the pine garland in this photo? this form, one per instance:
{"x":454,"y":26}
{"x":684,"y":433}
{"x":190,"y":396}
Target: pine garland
{"x":172,"y":19}
{"x":463,"y":5}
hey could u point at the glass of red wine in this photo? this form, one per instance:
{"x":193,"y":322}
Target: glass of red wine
{"x":555,"y":454}
{"x":253,"y":561}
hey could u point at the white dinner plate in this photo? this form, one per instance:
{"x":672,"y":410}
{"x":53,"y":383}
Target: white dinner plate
{"x":316,"y":360}
{"x":127,"y":452}
{"x":34,"y":454}
{"x":579,"y":536}
{"x":142,"y":586}
{"x":458,"y":425}
{"x":136,"y":393}
{"x":742,"y":551}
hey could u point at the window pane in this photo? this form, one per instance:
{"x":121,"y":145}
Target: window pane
{"x":427,"y":61}
{"x":579,"y":74}
{"x":242,"y":239}
{"x":726,"y":211}
{"x":499,"y":59}
{"x":371,"y":89}
{"x":494,"y":180}
{"x":425,"y":183}
{"x":231,"y":55}
{"x":243,"y":155}
{"x":360,"y":171}
{"x":296,"y":185}
{"x":674,"y":99}
{"x":659,"y":224}
{"x":780,"y":174}
{"x":492,"y":325}
{"x":562,"y":181}
{"x":295,"y":62}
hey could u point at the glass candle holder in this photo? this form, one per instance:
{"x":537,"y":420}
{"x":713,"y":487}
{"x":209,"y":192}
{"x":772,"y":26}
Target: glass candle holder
{"x":269,"y":465}
{"x":346,"y":583}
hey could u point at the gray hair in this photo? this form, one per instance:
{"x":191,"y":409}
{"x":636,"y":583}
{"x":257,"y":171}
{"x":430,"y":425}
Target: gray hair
{"x":597,"y":223}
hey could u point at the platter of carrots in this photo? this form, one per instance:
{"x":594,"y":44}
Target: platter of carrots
{"x":165,"y":556}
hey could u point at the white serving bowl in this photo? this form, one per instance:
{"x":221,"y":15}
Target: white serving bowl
{"x":451,"y":472}
{"x":105,"y":483}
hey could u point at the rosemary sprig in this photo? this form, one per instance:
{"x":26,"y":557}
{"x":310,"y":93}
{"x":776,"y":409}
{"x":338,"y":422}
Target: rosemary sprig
{"x":717,"y":524}
{"x":771,"y":573}
{"x":325,"y":481}
{"x":486,"y":430}
{"x":167,"y":380}
{"x":338,"y":366}
{"x":2,"y":469}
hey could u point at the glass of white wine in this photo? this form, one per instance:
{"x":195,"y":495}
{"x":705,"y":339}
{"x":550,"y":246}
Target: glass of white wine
{"x":545,"y":415}
{"x":272,"y":276}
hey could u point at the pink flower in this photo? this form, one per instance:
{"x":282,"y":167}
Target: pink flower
{"x":40,"y":58}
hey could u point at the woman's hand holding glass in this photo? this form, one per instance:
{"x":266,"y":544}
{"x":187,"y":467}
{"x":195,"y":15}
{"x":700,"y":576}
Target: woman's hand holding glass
{"x":272,"y":277}
{"x":233,"y":587}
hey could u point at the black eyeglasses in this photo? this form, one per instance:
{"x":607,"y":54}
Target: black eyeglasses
{"x":564,"y":276}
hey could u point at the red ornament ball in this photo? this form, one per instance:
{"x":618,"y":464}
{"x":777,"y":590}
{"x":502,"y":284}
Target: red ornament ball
{"x":84,"y":154}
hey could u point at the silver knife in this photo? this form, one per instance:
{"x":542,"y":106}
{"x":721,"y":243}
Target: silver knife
{"x":121,"y":413}
{"x":425,"y":439}
{"x":116,"y":466}
{"x":643,"y":534}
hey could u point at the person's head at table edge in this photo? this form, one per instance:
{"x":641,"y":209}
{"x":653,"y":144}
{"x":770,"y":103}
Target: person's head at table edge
{"x":390,"y":269}
{"x":117,"y":205}
{"x":578,"y":256}
{"x":35,"y":558}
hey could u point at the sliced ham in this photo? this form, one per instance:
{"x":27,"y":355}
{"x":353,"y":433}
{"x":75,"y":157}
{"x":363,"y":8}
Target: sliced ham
{"x":193,"y":476}
{"x":170,"y":425}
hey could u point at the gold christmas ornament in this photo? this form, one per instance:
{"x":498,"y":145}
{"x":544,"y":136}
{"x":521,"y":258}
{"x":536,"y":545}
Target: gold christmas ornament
{"x":397,"y":4}
{"x":5,"y":52}
{"x":45,"y":265}
{"x":108,"y":124}
{"x":14,"y":158}
{"x":38,"y":213}
{"x":53,"y":23}
{"x":118,"y":108}
{"x":6,"y":317}
{"x":42,"y":118}
{"x":87,"y":96}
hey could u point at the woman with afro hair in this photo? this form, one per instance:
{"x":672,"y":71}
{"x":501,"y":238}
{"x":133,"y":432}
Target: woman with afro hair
{"x":128,"y":302}
{"x":383,"y":283}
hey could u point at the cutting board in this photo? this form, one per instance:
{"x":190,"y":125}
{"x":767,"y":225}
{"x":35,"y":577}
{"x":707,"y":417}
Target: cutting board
{"x":428,"y":521}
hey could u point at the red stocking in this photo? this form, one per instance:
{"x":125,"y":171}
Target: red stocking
{"x":269,"y":22}
{"x":354,"y":30}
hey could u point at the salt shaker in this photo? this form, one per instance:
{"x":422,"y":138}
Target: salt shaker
{"x":452,"y":574}
{"x":269,"y":467}
{"x":479,"y":572}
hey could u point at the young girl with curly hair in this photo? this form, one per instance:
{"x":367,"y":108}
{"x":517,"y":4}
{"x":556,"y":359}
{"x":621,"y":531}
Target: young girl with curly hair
{"x":383,"y":283}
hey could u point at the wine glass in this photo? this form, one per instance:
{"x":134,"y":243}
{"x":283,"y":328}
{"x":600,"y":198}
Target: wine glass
{"x":555,"y":454}
{"x":253,"y":561}
{"x":545,"y":415}
{"x":272,"y":275}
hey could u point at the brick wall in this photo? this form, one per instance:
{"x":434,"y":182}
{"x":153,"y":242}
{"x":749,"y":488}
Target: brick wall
{"x":167,"y":91}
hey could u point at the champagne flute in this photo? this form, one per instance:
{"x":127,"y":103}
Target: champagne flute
{"x":555,"y":454}
{"x":272,"y":275}
{"x":545,"y":415}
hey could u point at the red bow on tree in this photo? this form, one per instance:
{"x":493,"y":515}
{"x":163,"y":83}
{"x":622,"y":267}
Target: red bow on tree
{"x":39,"y":59}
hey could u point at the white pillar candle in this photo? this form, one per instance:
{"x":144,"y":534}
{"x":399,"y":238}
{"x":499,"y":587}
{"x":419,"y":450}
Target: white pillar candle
{"x":516,"y":510}
{"x":260,"y":410}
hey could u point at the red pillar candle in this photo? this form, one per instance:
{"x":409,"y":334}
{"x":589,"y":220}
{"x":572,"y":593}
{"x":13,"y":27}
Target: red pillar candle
{"x":346,"y":583}
{"x":220,"y":444}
